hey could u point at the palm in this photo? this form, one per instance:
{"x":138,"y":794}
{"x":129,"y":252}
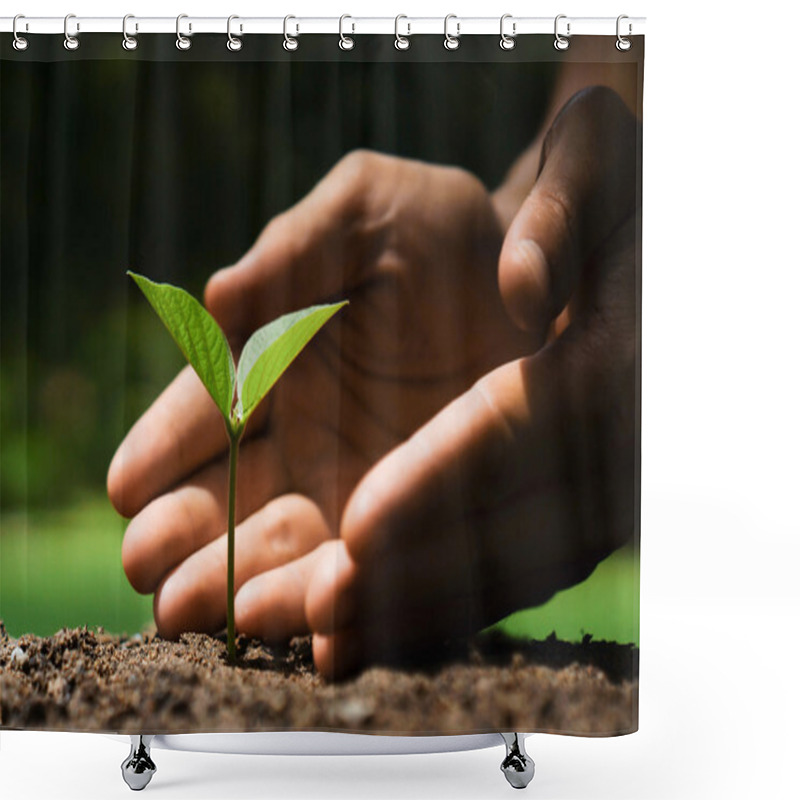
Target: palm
{"x":420,"y":329}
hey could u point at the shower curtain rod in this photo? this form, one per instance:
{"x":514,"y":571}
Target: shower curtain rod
{"x":347,"y":25}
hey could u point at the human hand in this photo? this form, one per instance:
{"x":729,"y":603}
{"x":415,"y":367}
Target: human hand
{"x":521,"y":485}
{"x":414,"y":248}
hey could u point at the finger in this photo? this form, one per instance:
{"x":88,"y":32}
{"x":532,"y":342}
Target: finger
{"x":336,"y":656}
{"x":586,"y":188}
{"x":306,"y":255}
{"x":333,"y":592}
{"x":397,"y":586}
{"x":180,"y":522}
{"x":423,"y":604}
{"x":473,"y":572}
{"x":453,"y":462}
{"x":271,"y":605}
{"x":180,"y":431}
{"x":194,"y":595}
{"x":394,"y":587}
{"x":423,"y":640}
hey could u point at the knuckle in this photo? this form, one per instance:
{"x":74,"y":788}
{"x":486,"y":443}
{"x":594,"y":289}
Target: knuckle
{"x":476,"y":197}
{"x":280,"y":537}
{"x":467,"y":182}
{"x":118,"y":488}
{"x":132,"y":562}
{"x":359,"y":161}
{"x":355,"y":174}
{"x":271,"y":232}
{"x":212,"y":291}
{"x":494,"y":416}
{"x":223,"y":301}
{"x":354,"y":169}
{"x":499,"y":439}
{"x":527,"y":271}
{"x":165,"y":609}
{"x":328,"y":549}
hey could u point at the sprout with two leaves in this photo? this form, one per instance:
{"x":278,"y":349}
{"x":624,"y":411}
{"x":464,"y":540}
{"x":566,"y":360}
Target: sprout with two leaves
{"x":236,"y":391}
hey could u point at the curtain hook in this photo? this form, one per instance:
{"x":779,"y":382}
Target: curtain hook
{"x":71,"y":42}
{"x":234,"y":42}
{"x":623,"y":44}
{"x":346,"y":42}
{"x":289,"y":42}
{"x":507,"y":42}
{"x":20,"y":42}
{"x":182,"y":42}
{"x":451,"y":42}
{"x":129,"y":42}
{"x":561,"y":42}
{"x":401,"y":42}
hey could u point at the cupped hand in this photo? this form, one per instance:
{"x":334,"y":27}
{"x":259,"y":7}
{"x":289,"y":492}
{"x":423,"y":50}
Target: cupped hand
{"x":522,"y":484}
{"x":414,"y":248}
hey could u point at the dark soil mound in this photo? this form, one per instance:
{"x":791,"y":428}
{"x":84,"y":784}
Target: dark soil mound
{"x":83,"y":680}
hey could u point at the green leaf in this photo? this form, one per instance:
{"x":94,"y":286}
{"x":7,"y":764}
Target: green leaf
{"x":199,"y":337}
{"x":271,"y":349}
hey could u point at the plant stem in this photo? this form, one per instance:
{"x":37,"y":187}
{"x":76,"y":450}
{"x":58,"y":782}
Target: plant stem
{"x":234,"y":458}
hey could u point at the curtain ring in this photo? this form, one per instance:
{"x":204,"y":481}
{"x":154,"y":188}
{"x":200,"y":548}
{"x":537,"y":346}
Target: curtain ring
{"x":451,"y":42}
{"x":289,"y":42}
{"x":401,"y":42}
{"x":129,"y":42}
{"x":71,"y":42}
{"x":346,"y":42}
{"x":234,"y":42}
{"x":561,"y":42}
{"x":507,"y":42}
{"x":182,"y":42}
{"x":623,"y":44}
{"x":20,"y":42}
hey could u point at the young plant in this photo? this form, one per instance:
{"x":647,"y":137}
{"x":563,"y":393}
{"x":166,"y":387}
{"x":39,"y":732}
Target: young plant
{"x":236,"y":391}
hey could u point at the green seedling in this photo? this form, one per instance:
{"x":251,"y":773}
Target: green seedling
{"x":235,"y":390}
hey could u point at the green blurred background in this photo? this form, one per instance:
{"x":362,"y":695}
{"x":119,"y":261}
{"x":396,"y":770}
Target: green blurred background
{"x":173,"y":168}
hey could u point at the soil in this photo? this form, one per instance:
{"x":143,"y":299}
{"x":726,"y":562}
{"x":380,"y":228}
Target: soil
{"x":88,"y":680}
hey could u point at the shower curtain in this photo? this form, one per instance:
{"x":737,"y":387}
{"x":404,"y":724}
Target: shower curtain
{"x":437,"y":501}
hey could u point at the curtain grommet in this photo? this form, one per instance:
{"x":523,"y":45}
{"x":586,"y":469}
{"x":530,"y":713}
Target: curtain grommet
{"x":507,"y":42}
{"x":290,"y":43}
{"x":182,"y":42}
{"x":234,"y":43}
{"x":561,"y":42}
{"x":346,"y":42}
{"x":401,"y":42}
{"x":71,"y":42}
{"x":452,"y":42}
{"x":623,"y":44}
{"x":20,"y":43}
{"x":129,"y":42}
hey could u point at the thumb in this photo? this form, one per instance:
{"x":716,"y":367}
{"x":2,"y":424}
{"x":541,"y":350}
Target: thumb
{"x":586,"y":187}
